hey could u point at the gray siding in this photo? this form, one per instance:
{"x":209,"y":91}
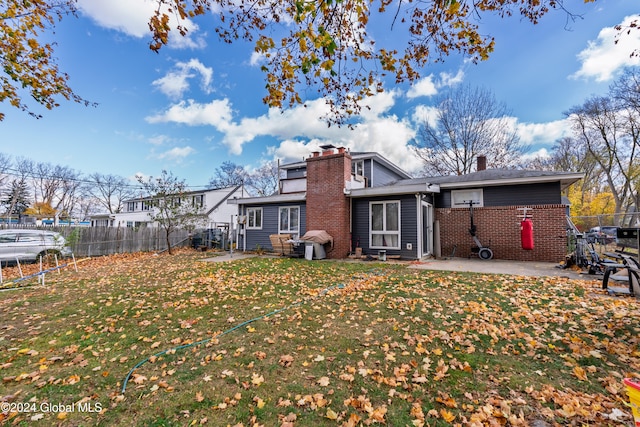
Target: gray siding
{"x":408,"y":225}
{"x":260,"y":238}
{"x":512,"y":195}
{"x":381,"y":174}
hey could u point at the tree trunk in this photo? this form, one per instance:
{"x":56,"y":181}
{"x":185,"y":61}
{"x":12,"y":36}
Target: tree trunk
{"x":168,"y":243}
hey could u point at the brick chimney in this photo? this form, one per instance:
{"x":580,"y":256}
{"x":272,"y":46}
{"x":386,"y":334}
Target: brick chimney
{"x":482,"y":162}
{"x":328,"y":208}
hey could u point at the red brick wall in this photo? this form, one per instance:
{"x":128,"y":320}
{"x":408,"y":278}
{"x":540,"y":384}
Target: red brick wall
{"x":499,"y":229}
{"x":327,"y":205}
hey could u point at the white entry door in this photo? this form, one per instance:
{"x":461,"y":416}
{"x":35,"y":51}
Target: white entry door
{"x":426,"y":229}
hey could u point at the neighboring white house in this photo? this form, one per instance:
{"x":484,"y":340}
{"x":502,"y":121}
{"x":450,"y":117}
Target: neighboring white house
{"x":136,"y":211}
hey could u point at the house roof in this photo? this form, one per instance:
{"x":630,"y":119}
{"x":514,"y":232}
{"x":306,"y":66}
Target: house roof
{"x":224,"y":199}
{"x":360,"y":155}
{"x":370,"y":154}
{"x":276,"y":198}
{"x":495,"y":177}
{"x":224,"y":190}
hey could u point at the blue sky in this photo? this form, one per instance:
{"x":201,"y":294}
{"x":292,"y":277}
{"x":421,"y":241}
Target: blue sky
{"x":198,"y":103}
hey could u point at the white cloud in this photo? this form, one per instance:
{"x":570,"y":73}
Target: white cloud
{"x":424,"y":87}
{"x":300,"y":130}
{"x":429,"y":86}
{"x":257,"y":58}
{"x":216,"y":113}
{"x":542,"y":133}
{"x":158,"y":139}
{"x":132,"y":17}
{"x":289,"y":150}
{"x":176,"y":82}
{"x":425,"y":114}
{"x":541,"y":152}
{"x":448,"y":79}
{"x":176,"y":154}
{"x":603,"y":57}
{"x":377,"y":131}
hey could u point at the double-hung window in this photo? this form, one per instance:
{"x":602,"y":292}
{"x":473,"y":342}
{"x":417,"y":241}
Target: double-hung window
{"x":254,"y":218}
{"x":384,"y":230}
{"x":289,"y":220}
{"x":198,"y":201}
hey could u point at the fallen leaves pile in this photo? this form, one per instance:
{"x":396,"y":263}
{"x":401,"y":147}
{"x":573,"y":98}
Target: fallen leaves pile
{"x":390,"y":346}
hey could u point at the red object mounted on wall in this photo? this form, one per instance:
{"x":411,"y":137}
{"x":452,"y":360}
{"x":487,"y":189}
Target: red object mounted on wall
{"x":526,"y":234}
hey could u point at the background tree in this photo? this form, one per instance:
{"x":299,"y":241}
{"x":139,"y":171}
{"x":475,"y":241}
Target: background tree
{"x":110,"y":191}
{"x":570,"y":155}
{"x":170,"y":205}
{"x":626,"y":90}
{"x":264,"y":180}
{"x":40,"y":210}
{"x":29,"y":66}
{"x":17,"y":200}
{"x":5,"y":164}
{"x":229,"y":174}
{"x":610,"y":133}
{"x":469,"y":122}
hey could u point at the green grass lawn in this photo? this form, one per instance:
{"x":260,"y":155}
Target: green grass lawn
{"x":330,"y":344}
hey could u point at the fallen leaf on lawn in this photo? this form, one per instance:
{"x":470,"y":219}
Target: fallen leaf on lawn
{"x":379,"y":413}
{"x":285,"y":360}
{"x":257,"y":379}
{"x":331,"y":414}
{"x":447,"y":415}
{"x":324,"y":381}
{"x":580,"y":373}
{"x":73,"y":379}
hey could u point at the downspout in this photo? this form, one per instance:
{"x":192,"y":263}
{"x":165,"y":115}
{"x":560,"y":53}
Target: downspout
{"x":420,"y":230}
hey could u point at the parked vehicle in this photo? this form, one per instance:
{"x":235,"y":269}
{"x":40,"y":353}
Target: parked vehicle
{"x":606,"y":234}
{"x":29,"y":245}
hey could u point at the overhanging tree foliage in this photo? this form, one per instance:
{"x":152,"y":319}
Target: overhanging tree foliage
{"x":327,"y":45}
{"x":28,"y":66}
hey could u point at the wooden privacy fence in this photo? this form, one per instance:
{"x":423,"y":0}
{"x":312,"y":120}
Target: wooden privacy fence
{"x":97,"y":241}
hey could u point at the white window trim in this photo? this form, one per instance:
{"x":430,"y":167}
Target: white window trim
{"x":384,"y":222}
{"x":252,"y":211}
{"x":459,"y":197}
{"x":295,"y":233}
{"x":354,"y":168}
